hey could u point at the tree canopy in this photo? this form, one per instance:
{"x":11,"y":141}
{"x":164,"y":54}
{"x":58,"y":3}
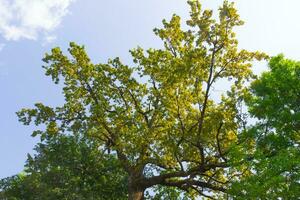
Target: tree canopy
{"x":67,"y":167}
{"x":275,"y":163}
{"x":161,"y":116}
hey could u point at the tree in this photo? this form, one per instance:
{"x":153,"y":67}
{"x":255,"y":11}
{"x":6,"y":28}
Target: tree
{"x":67,"y":167}
{"x":275,"y":103}
{"x":159,"y":116}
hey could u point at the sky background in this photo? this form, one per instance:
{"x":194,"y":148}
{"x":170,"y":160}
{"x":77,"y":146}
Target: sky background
{"x":30,"y":28}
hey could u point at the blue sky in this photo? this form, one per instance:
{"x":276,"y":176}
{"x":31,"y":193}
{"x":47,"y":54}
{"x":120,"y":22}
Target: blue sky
{"x":29,"y":28}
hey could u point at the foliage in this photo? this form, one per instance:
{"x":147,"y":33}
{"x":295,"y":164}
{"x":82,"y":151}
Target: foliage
{"x":162,"y":115}
{"x":67,"y":167}
{"x":275,"y":163}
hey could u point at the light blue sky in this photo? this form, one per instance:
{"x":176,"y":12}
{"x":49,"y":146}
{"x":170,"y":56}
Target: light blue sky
{"x":107,"y":29}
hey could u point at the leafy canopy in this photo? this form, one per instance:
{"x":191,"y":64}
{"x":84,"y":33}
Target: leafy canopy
{"x":67,"y":167}
{"x":275,"y":163}
{"x":159,"y":115}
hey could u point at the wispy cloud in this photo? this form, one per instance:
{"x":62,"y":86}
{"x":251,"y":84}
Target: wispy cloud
{"x":28,"y":19}
{"x":48,"y":39}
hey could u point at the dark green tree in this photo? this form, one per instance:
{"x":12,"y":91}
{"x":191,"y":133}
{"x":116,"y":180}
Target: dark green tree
{"x":70,"y":168}
{"x":275,"y":159}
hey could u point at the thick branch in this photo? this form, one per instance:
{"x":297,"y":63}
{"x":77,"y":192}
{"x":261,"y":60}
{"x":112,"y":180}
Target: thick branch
{"x":186,"y":183}
{"x":180,"y":174}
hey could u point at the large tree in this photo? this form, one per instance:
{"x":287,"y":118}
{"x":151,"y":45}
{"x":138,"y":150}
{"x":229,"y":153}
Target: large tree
{"x":275,"y":154}
{"x":162,"y":117}
{"x":70,"y":168}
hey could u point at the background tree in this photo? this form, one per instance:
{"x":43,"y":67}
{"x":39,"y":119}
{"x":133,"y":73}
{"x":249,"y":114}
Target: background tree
{"x":67,"y":167}
{"x":275,"y":163}
{"x":159,"y":117}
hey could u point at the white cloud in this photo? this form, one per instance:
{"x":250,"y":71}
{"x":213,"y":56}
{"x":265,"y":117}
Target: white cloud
{"x":28,"y":19}
{"x":48,"y":39}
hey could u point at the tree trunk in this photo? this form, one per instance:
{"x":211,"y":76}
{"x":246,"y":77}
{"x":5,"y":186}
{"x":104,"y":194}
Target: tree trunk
{"x":135,"y":188}
{"x":136,"y":195}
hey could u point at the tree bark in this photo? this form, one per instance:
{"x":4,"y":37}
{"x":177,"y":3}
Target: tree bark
{"x":136,"y":194}
{"x":135,"y":188}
